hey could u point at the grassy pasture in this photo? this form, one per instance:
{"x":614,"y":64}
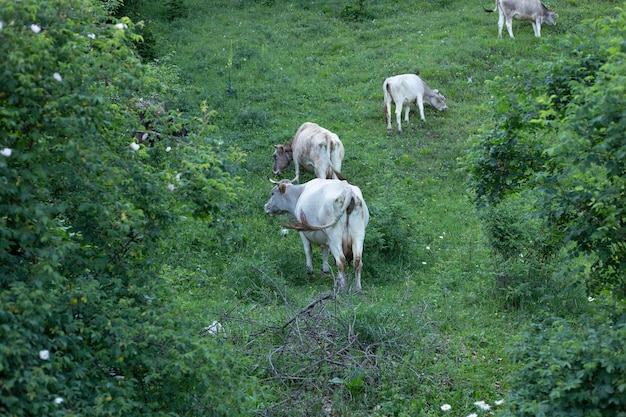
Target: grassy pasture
{"x":431,"y":325}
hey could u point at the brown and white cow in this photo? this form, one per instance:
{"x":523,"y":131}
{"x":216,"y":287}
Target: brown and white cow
{"x":533,"y":10}
{"x":405,"y":89}
{"x":328,"y":213}
{"x":313,"y":148}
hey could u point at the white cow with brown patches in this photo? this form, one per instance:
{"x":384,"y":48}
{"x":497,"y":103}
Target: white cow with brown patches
{"x":328,"y":213}
{"x":405,"y":89}
{"x":533,"y":10}
{"x":313,"y":148}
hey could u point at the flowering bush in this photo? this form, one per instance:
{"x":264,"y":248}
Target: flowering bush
{"x":87,"y":328}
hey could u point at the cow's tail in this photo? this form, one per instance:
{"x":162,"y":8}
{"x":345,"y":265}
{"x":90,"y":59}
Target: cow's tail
{"x":348,"y":205}
{"x":387,"y":98}
{"x":386,"y":93}
{"x":337,"y":173}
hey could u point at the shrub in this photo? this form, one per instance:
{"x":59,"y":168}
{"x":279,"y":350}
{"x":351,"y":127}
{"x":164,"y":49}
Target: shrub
{"x":558,"y":140}
{"x":356,"y":13}
{"x":572,"y":368}
{"x":87,"y":324}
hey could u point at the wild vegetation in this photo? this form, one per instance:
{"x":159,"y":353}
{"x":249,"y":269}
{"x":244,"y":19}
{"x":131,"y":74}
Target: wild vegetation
{"x":139,"y":274}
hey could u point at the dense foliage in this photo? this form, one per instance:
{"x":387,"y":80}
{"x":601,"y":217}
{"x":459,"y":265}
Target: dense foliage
{"x":550,"y":180}
{"x":558,"y":144}
{"x":572,"y":368}
{"x":86,"y":327}
{"x":125,"y":230}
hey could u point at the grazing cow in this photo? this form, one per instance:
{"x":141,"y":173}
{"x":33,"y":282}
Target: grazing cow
{"x":328,"y":213}
{"x":533,"y":10}
{"x":406,"y":89}
{"x":315,"y":149}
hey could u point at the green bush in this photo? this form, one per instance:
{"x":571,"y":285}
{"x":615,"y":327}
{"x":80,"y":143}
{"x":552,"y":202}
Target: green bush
{"x":572,"y":368}
{"x":86,"y":322}
{"x":558,"y":141}
{"x":356,"y":12}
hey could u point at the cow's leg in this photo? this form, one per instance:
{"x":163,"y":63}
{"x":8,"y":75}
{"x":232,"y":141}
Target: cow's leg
{"x":307,"y":253}
{"x":340,"y":259}
{"x":325,"y":266}
{"x":358,"y":265}
{"x":341,"y":273}
{"x":407,"y":108}
{"x":420,"y":105}
{"x":357,"y":251}
{"x":398,"y":117}
{"x":537,"y":28}
{"x":500,"y":24}
{"x":509,"y":26}
{"x":335,"y":160}
{"x":297,"y":178}
{"x":323,"y":171}
{"x":388,"y":115}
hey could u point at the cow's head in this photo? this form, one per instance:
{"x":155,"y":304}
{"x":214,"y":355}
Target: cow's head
{"x":278,"y":202}
{"x":550,"y":16}
{"x":283,"y":155}
{"x":438,"y":101}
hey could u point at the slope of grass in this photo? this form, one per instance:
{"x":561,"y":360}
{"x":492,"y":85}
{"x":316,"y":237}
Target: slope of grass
{"x":430,"y":326}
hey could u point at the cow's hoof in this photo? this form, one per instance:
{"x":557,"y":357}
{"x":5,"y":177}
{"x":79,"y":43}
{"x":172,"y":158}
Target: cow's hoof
{"x":389,"y":131}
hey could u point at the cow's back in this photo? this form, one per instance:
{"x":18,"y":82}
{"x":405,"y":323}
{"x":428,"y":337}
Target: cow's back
{"x":327,"y":201}
{"x":318,"y":150}
{"x":403,"y":88}
{"x":523,"y":9}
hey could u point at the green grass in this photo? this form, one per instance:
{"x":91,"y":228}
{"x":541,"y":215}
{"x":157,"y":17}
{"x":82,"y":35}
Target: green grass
{"x":431,"y":324}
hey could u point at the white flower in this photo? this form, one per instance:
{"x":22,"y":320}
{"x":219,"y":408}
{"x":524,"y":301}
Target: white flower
{"x":499,"y":402}
{"x":57,"y":77}
{"x":590,"y":299}
{"x":178,"y":176}
{"x":446,"y":407}
{"x":473,"y":415}
{"x":92,"y":36}
{"x":58,"y":400}
{"x":427,"y":247}
{"x":284,"y":232}
{"x":423,"y":263}
{"x":169,"y":148}
{"x":134,"y":146}
{"x":35,"y":28}
{"x":440,"y":237}
{"x":121,"y":26}
{"x":214,"y":328}
{"x":482,"y":405}
{"x":6,"y":152}
{"x":44,"y":354}
{"x":171,"y":187}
